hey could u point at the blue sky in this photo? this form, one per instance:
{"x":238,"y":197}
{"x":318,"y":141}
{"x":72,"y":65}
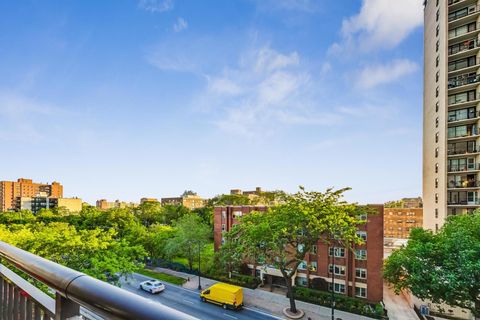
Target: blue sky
{"x":122,"y":99}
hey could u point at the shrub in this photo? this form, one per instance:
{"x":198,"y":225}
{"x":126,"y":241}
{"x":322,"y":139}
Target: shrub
{"x":342,"y":302}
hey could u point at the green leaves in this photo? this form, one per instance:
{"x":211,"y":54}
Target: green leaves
{"x":442,"y":267}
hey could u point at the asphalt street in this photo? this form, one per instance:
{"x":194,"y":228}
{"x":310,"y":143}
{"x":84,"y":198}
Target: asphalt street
{"x":189,"y":302}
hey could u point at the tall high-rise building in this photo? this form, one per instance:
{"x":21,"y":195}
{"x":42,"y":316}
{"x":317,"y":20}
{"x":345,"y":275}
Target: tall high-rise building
{"x":11,"y":190}
{"x":451,"y":151}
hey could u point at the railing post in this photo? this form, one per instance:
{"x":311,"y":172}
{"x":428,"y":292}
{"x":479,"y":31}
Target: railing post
{"x":64,"y":308}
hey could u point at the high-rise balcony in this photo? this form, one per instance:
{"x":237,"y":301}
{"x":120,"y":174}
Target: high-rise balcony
{"x":461,"y":149}
{"x":463,"y":49}
{"x":464,"y":184}
{"x":463,"y":82}
{"x":463,"y":168}
{"x":460,"y":34}
{"x":464,"y":202}
{"x":462,"y":132}
{"x":462,"y":15}
{"x":461,"y":66}
{"x":76,"y":294}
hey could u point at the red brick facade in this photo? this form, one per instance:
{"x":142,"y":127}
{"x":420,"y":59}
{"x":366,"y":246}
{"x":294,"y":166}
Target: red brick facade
{"x":371,"y":267}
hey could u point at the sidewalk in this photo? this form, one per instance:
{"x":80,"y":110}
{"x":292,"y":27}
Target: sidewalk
{"x":398,"y":308}
{"x":268,"y":301}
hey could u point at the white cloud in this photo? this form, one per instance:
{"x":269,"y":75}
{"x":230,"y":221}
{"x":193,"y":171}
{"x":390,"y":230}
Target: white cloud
{"x":375,"y":75}
{"x":180,"y":25}
{"x":380,"y":24}
{"x":154,"y":6}
{"x":265,"y":91}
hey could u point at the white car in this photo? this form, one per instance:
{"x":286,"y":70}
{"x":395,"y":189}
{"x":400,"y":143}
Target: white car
{"x":152,"y":286}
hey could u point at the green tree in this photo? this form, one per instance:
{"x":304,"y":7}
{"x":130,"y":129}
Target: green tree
{"x":174,"y":212}
{"x":206,"y":214}
{"x":156,"y":240}
{"x":442,"y":267}
{"x":150,"y":212}
{"x":229,"y":200}
{"x":191,"y":235}
{"x":283,"y":235}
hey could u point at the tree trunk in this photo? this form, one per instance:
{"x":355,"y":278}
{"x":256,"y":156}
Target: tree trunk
{"x":476,"y":312}
{"x":293,"y":307}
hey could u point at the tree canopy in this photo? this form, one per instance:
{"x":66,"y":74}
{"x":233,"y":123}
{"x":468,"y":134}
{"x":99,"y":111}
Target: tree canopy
{"x":442,"y":267}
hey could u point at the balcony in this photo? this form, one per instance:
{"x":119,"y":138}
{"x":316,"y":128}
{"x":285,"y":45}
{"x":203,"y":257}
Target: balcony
{"x":76,"y":294}
{"x":461,"y":69}
{"x":466,"y":184}
{"x":457,"y":4}
{"x":468,"y":120}
{"x":464,"y":203}
{"x":463,"y":152}
{"x":463,"y":49}
{"x":460,"y":17}
{"x":464,"y":36}
{"x":463,"y":82}
{"x":463,"y":168}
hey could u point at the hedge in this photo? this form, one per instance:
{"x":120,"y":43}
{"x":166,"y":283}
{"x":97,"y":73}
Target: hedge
{"x":236,"y":279}
{"x":349,"y":304}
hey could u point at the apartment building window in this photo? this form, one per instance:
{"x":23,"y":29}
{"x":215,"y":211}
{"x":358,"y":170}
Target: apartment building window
{"x":437,"y":106}
{"x":436,"y":122}
{"x":223,"y":241}
{"x":362,"y":217}
{"x":339,"y":252}
{"x":436,"y":213}
{"x":438,"y":15}
{"x":438,"y":30}
{"x":361,"y":273}
{"x":436,"y":183}
{"x":339,"y":270}
{"x":313,"y":266}
{"x":302,"y":265}
{"x":462,"y":30}
{"x":438,"y":2}
{"x":360,"y":292}
{"x":361,"y":254}
{"x":437,"y":61}
{"x":301,"y":281}
{"x":237,"y":214}
{"x":436,"y":197}
{"x":436,"y":137}
{"x":437,"y":76}
{"x":437,"y":92}
{"x":436,"y":152}
{"x":436,"y":227}
{"x":223,"y":227}
{"x":224,"y":215}
{"x":462,"y":63}
{"x":362,"y":234}
{"x":314,"y":249}
{"x":339,"y":288}
{"x":437,"y":46}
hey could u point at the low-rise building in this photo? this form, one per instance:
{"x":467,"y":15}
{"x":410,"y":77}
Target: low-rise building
{"x":357,"y":273}
{"x":190,"y":201}
{"x":103,"y":204}
{"x":398,"y":222}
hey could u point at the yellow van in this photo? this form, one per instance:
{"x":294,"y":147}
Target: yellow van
{"x":226,"y":295}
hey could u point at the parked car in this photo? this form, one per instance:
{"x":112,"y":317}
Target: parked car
{"x":226,"y":295}
{"x":152,"y":286}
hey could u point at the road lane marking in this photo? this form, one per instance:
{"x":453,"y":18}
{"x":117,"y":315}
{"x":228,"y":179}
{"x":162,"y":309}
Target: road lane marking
{"x":227,"y":315}
{"x":188,"y":301}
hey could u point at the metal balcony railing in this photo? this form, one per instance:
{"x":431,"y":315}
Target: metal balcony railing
{"x":463,"y":184}
{"x":464,"y":168}
{"x":463,"y":46}
{"x":75,"y":293}
{"x":464,"y":202}
{"x":463,"y":80}
{"x":470,"y":115}
{"x":462,"y":13}
{"x":462,"y":151}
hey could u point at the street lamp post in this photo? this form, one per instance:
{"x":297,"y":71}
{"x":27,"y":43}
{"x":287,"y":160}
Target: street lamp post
{"x":333,"y":284}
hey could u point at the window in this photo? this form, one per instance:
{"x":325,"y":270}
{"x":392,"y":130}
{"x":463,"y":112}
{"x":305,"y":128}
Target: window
{"x":438,"y":2}
{"x":302,"y":265}
{"x":437,"y":91}
{"x":436,"y":152}
{"x":438,"y":15}
{"x":362,"y":234}
{"x":438,"y":30}
{"x":301,"y":281}
{"x":436,"y":213}
{"x":314,"y":249}
{"x":436,"y":197}
{"x":462,"y":63}
{"x":300,"y":248}
{"x":436,"y":122}
{"x":339,"y":288}
{"x":223,"y":227}
{"x":436,"y":137}
{"x":313,"y":266}
{"x":224,"y":215}
{"x":361,"y":273}
{"x":437,"y":106}
{"x":223,"y":240}
{"x":437,"y":46}
{"x":237,"y":214}
{"x":437,"y":76}
{"x":437,"y":61}
{"x":436,"y":227}
{"x":436,"y":183}
{"x":339,"y":252}
{"x":363,"y":216}
{"x":361,"y":254}
{"x":360,"y":292}
{"x":339,"y":270}
{"x":462,"y":30}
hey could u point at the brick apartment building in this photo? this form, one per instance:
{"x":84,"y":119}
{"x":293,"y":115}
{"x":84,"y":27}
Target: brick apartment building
{"x":11,"y":190}
{"x":398,"y":222}
{"x":356,"y":274}
{"x":190,"y":201}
